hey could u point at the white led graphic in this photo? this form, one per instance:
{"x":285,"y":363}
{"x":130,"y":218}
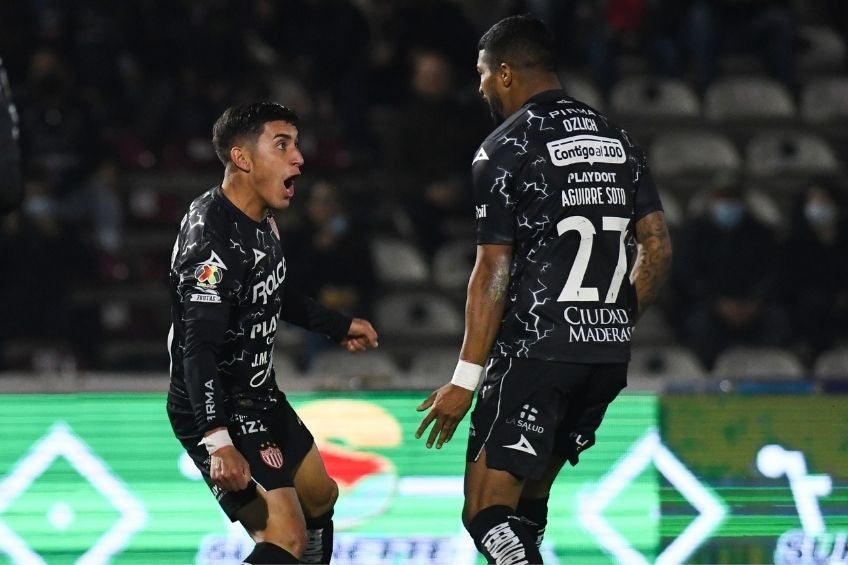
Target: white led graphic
{"x":60,"y":441}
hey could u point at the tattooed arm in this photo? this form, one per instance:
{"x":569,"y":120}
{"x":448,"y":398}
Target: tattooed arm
{"x":654,"y":259}
{"x":484,"y":304}
{"x":484,"y":308}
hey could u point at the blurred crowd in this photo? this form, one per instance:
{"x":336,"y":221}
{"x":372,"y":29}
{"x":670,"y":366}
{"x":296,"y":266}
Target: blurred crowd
{"x":109,"y":92}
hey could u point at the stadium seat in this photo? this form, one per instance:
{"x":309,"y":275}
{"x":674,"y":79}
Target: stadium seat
{"x":764,"y":207}
{"x":825,"y":99}
{"x":760,"y":204}
{"x":417,"y":315}
{"x":693,"y":152}
{"x":782,"y":153}
{"x":660,"y":369}
{"x":832,"y":363}
{"x":671,"y":207}
{"x":673,"y":363}
{"x":432,"y":367}
{"x":758,"y":363}
{"x":646,"y":97}
{"x":742,"y":98}
{"x":341,"y":369}
{"x":452,"y":264}
{"x":398,"y":262}
{"x":822,"y":49}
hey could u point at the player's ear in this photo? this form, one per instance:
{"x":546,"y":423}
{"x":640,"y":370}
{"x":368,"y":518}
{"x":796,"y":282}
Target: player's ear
{"x":240,"y":158}
{"x":505,"y":74}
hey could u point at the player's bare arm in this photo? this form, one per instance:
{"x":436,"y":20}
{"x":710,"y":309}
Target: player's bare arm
{"x":484,"y":306}
{"x":654,"y":260}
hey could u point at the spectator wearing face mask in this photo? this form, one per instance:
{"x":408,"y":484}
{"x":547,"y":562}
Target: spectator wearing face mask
{"x":725,"y":275}
{"x":815,"y":290}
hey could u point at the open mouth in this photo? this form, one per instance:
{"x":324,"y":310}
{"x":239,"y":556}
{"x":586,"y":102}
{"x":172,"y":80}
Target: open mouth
{"x":288,"y":185}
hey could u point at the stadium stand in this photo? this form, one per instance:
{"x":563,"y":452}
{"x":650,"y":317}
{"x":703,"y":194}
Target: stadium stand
{"x":782,"y":153}
{"x":399,"y":262}
{"x":743,"y":98}
{"x":757,"y":363}
{"x":640,"y":97}
{"x":340,"y":369}
{"x":697,"y":153}
{"x":452,"y":264}
{"x":743,"y":127}
{"x":825,"y":99}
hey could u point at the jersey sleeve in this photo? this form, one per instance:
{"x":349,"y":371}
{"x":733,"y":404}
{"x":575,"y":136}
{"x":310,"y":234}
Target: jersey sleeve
{"x":303,"y":311}
{"x":647,"y":198}
{"x":494,"y":199}
{"x":209,"y":284}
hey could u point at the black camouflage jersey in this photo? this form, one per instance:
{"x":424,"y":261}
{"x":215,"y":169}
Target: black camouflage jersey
{"x":228,"y":292}
{"x":565,"y":187}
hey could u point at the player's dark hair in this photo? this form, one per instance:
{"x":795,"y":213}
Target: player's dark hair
{"x":521,"y":41}
{"x":246,"y":121}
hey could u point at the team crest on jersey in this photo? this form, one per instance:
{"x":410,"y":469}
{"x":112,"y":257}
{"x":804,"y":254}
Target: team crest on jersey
{"x":271,"y":455}
{"x":208,"y":275}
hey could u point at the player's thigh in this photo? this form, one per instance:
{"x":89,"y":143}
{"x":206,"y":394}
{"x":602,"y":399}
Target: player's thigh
{"x":275,"y":516}
{"x":315,"y":489}
{"x":486,"y":487}
{"x":541,"y":487}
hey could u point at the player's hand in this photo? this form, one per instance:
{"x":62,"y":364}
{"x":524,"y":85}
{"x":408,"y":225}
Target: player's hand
{"x":449,"y":405}
{"x":360,"y":336}
{"x":229,"y":469}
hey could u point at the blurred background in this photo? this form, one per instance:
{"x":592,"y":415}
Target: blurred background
{"x":741,"y":105}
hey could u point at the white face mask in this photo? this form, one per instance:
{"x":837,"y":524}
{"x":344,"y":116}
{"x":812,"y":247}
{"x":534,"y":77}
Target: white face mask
{"x":38,"y":206}
{"x":820,"y":214}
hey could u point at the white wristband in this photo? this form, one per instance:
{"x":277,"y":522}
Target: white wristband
{"x":216,"y":440}
{"x":467,"y":375}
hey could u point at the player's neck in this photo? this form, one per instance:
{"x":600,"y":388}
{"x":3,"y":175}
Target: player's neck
{"x":243,"y":197}
{"x":529,"y":86}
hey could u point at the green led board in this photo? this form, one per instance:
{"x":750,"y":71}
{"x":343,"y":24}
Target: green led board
{"x":779,"y":466}
{"x":99,"y":478}
{"x":704,"y":479}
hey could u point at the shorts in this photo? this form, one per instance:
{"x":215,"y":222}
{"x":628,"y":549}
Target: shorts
{"x":273,"y":440}
{"x":529,"y":409}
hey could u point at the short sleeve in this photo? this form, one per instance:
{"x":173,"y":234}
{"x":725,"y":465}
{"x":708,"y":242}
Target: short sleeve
{"x":494,"y":200}
{"x":647,"y":198}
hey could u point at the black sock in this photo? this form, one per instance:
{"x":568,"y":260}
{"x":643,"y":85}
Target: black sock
{"x":500,"y":536}
{"x":319,"y":539}
{"x":267,"y":553}
{"x":533,"y":513}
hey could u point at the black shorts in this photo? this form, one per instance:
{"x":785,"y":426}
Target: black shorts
{"x":273,"y":441}
{"x":528,"y":409}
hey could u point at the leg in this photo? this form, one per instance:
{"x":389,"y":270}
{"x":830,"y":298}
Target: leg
{"x":275,"y":521}
{"x":317,"y":493}
{"x":532,"y":507}
{"x":491,"y":496}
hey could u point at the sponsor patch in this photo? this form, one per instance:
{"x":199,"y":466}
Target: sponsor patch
{"x":522,"y":445}
{"x":208,"y":275}
{"x":210,"y":298}
{"x":586,"y":149}
{"x":480,"y":156}
{"x":271,"y":455}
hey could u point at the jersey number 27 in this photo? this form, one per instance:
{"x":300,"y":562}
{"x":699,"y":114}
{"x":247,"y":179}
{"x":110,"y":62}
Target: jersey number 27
{"x":574,"y":291}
